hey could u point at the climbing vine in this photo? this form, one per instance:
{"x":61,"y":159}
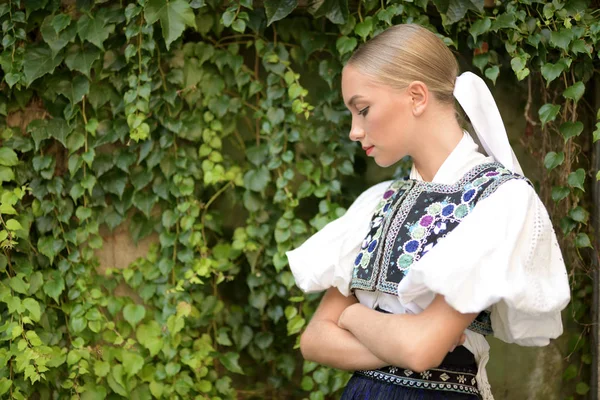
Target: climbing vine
{"x":217,"y":130}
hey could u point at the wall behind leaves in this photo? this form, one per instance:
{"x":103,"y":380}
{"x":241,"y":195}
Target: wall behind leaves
{"x":219,"y":127}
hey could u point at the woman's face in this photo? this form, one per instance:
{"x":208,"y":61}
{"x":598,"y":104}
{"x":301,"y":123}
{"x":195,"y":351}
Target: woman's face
{"x":382,"y":117}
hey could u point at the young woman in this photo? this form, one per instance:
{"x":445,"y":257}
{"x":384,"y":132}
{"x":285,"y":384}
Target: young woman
{"x":419,"y":270}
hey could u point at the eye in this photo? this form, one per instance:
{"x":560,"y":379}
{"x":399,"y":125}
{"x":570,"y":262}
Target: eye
{"x":364,"y":112}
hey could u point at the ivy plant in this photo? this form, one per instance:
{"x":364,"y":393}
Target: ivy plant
{"x":216,"y":130}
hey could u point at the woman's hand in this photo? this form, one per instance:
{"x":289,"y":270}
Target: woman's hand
{"x":347,"y":313}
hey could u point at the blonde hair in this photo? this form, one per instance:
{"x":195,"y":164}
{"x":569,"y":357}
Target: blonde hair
{"x":405,"y":53}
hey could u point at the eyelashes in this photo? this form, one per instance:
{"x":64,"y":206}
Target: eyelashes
{"x":364,"y":112}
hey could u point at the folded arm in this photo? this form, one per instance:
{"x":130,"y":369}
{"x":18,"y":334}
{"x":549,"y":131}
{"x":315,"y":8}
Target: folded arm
{"x":415,"y":341}
{"x":325,"y":342}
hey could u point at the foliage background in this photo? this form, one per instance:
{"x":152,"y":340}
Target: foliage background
{"x":219,"y":127}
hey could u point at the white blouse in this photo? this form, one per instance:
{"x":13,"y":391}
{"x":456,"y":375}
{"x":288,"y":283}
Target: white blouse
{"x":503,"y":256}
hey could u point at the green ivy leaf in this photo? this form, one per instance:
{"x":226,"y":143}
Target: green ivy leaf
{"x":50,"y":246}
{"x":5,"y":385}
{"x":346,"y":44}
{"x":101,"y":368}
{"x":576,"y":179}
{"x":571,"y":129}
{"x":83,"y":213}
{"x":257,"y":179}
{"x":505,"y":20}
{"x":518,"y":64}
{"x":480,"y":27}
{"x":570,"y":372}
{"x":454,"y":10}
{"x":149,"y":336}
{"x":75,"y":141}
{"x":582,"y":388}
{"x":6,"y":174}
{"x":57,"y":40}
{"x":115,"y":182}
{"x":93,"y":28}
{"x":365,"y":28}
{"x":132,"y":362}
{"x":560,"y":192}
{"x":561,"y":39}
{"x":575,"y":92}
{"x":33,"y":307}
{"x":579,"y":214}
{"x":134,"y":313}
{"x":242,"y":336}
{"x":18,"y":284}
{"x":334,"y":10}
{"x":88,"y":183}
{"x":230,"y":361}
{"x":579,"y":46}
{"x":54,"y":285}
{"x":582,"y":240}
{"x":596,"y":133}
{"x":174,"y":17}
{"x":492,"y":73}
{"x":548,"y":113}
{"x":144,"y":202}
{"x":73,"y":89}
{"x":258,"y":300}
{"x":263,"y":340}
{"x":552,"y":71}
{"x":295,"y":325}
{"x":279,"y":9}
{"x":39,"y":61}
{"x":13,"y":225}
{"x":60,"y":22}
{"x":8,"y":157}
{"x":81,"y":59}
{"x":141,"y":179}
{"x":157,"y":389}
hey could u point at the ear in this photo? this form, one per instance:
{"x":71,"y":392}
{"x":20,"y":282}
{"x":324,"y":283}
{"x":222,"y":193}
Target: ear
{"x":419,"y":94}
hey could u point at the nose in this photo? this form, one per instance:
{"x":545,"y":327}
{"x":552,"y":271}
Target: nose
{"x":356,"y":132}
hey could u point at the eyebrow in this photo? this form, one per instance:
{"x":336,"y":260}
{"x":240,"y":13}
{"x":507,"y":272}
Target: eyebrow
{"x":353,"y":99}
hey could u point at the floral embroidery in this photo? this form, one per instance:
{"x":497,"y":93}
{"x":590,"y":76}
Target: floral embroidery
{"x":425,"y":374}
{"x":461,"y":379}
{"x":414,"y":216}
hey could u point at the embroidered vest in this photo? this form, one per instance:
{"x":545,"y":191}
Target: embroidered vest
{"x":412,"y":217}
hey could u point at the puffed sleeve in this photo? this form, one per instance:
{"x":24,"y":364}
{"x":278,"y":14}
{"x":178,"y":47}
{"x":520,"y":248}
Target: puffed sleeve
{"x":326,"y":258}
{"x":504,"y":257}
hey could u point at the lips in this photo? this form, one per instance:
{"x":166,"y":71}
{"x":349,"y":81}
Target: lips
{"x":368,"y":149}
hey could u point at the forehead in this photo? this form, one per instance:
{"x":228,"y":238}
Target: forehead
{"x":355,"y":83}
{"x":360,"y":86}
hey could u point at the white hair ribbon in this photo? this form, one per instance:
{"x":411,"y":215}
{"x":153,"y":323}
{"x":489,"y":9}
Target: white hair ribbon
{"x":478,"y":103}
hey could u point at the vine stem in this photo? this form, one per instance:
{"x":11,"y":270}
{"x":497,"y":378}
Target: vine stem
{"x":528,"y":105}
{"x":360,"y":18}
{"x":140,"y":44}
{"x":85,"y":142}
{"x":208,"y":204}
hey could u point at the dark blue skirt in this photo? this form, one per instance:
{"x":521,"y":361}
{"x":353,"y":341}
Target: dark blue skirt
{"x":454,"y":379}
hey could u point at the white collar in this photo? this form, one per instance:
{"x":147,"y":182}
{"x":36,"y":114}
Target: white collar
{"x":464,"y":157}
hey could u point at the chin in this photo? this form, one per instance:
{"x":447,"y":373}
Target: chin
{"x":385,"y":163}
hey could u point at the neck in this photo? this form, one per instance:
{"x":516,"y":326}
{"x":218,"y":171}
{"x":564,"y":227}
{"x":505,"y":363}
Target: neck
{"x":441,"y":134}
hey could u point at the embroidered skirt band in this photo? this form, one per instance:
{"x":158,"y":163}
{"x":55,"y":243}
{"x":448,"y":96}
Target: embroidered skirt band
{"x":450,"y":379}
{"x":454,"y":379}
